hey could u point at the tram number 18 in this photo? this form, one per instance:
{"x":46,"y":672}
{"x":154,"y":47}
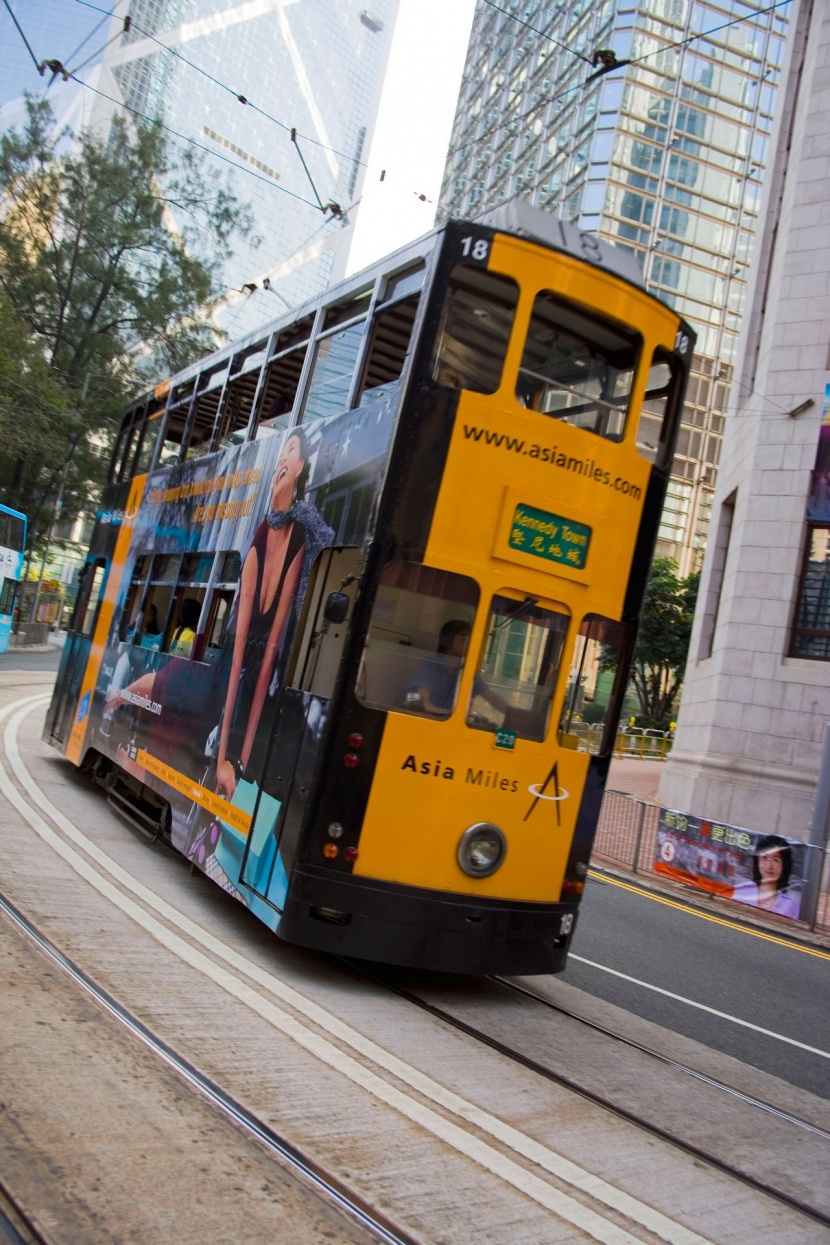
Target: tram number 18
{"x":477,"y":248}
{"x":566,"y":924}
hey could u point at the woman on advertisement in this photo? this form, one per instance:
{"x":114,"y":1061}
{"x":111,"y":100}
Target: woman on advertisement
{"x":772,"y":866}
{"x":274,"y":577}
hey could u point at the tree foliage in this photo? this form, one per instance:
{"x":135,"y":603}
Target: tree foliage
{"x":100,"y":268}
{"x":663,"y":641}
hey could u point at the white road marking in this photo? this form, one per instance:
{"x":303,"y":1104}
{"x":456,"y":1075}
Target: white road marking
{"x":679,"y":998}
{"x":478,"y":1151}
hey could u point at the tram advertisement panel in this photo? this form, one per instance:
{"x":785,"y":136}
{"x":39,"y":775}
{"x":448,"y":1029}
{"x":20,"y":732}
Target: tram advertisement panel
{"x":762,"y":871}
{"x":190,"y":684}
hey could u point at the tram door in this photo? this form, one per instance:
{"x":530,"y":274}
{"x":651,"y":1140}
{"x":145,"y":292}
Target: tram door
{"x":310,"y":677}
{"x":77,"y":648}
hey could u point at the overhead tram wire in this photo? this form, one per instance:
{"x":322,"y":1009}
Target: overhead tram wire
{"x":191,"y":142}
{"x":238,"y":96}
{"x":22,"y":36}
{"x":57,"y":67}
{"x":536,"y":31}
{"x":704,"y":34}
{"x":92,"y":32}
{"x":102,"y":48}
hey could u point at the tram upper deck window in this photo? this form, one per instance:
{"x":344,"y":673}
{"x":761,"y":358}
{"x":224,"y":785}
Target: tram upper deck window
{"x":124,"y":447}
{"x":209,"y":391}
{"x":331,"y":377}
{"x":149,"y":436}
{"x":660,"y":408}
{"x":589,"y":713}
{"x":282,"y":378}
{"x":239,"y":397}
{"x":577,"y":367}
{"x":391,"y":332}
{"x":476,"y":323}
{"x":517,"y":669}
{"x":417,"y":640}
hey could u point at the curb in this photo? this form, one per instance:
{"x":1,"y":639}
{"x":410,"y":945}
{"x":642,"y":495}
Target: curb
{"x":690,"y":897}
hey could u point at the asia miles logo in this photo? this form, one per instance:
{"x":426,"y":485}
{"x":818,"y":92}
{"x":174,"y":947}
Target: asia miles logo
{"x":548,"y":791}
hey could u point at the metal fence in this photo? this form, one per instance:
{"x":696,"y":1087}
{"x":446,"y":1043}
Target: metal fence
{"x":627,"y":836}
{"x":632,"y":741}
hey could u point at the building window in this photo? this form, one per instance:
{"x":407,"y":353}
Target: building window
{"x":811,"y":633}
{"x":716,"y":576}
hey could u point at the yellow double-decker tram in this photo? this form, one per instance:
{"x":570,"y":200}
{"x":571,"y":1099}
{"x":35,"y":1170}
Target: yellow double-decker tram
{"x":357,"y":616}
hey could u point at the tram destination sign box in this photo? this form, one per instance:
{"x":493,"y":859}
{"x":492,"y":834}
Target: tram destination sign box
{"x":549,"y":536}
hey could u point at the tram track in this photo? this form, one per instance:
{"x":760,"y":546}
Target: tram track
{"x":322,"y":1182}
{"x":524,"y":1162}
{"x":17,"y":1226}
{"x":606,"y":1103}
{"x":685,"y":1069}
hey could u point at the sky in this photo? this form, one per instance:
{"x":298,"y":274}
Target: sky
{"x":414,"y":125}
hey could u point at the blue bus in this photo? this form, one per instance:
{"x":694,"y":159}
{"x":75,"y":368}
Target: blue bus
{"x":12,"y":547}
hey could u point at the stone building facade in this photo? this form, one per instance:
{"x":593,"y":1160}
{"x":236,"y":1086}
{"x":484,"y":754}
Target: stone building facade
{"x":757,"y":691}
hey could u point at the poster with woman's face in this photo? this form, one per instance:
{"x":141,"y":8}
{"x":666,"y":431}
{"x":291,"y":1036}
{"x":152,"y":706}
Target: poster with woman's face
{"x":209,"y":506}
{"x":761,"y":871}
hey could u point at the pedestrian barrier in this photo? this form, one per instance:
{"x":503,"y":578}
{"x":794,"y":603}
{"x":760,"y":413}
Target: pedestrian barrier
{"x":627,"y":837}
{"x":633,"y":741}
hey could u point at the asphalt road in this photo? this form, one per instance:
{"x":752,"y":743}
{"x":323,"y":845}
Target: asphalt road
{"x":31,"y":659}
{"x":765,"y":982}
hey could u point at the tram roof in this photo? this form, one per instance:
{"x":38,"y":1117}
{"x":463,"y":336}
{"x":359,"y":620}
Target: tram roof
{"x":513,"y":217}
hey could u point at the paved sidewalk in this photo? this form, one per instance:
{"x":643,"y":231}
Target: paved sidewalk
{"x":632,"y":776}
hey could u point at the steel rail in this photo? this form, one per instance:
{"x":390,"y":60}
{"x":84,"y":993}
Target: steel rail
{"x":685,"y":1069}
{"x":631,"y":1117}
{"x":322,"y":1182}
{"x":16,"y":1224}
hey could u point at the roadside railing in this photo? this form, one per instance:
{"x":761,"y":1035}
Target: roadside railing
{"x":649,"y":744}
{"x":627,"y":837}
{"x":632,"y":741}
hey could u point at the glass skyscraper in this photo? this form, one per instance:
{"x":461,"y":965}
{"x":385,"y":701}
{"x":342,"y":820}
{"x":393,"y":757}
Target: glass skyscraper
{"x":236,"y":77}
{"x":664,"y":155}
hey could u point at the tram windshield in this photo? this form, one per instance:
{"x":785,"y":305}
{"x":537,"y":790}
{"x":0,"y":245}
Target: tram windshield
{"x":577,"y":368}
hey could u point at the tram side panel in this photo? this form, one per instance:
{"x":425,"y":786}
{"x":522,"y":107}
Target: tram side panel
{"x":158,"y":716}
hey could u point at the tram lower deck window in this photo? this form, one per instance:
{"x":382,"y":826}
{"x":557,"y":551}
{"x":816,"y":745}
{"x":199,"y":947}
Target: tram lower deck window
{"x":590,"y":711}
{"x":417,"y":641}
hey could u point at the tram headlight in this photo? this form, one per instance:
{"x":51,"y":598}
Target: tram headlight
{"x":482,"y":850}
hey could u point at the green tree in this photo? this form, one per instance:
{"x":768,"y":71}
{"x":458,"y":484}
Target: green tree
{"x":110,"y":253}
{"x":663,"y":641}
